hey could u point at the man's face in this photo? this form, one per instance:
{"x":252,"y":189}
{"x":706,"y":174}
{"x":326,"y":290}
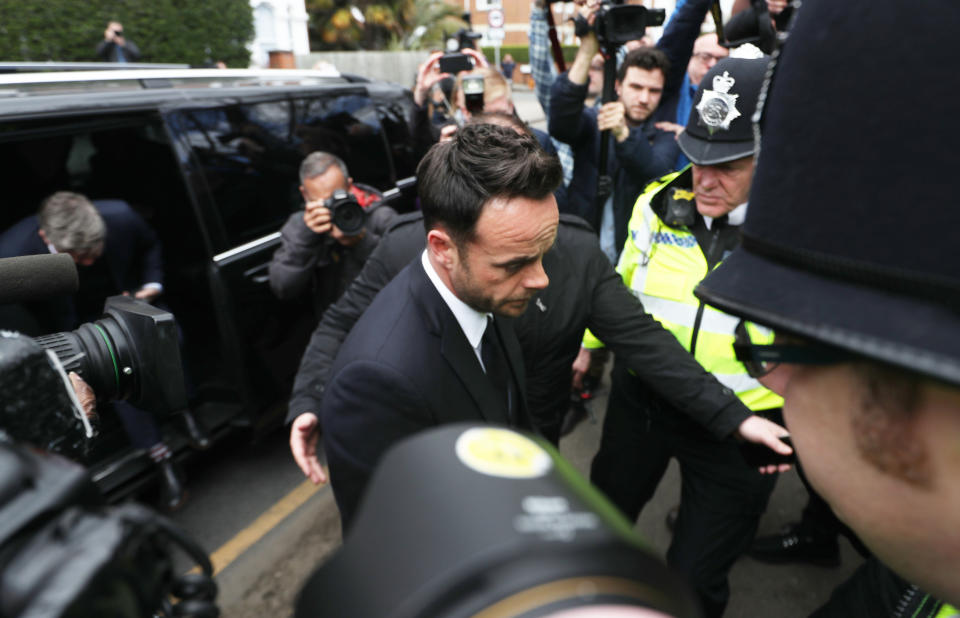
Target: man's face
{"x":721,"y":188}
{"x":706,"y":53}
{"x":501,"y":269}
{"x":843,"y":438}
{"x":640,"y":93}
{"x":321,"y":188}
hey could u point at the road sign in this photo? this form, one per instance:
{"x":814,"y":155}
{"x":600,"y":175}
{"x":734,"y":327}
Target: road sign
{"x":495,"y":18}
{"x":495,"y":34}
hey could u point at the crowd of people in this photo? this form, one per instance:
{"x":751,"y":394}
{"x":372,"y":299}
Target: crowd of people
{"x":764,"y":250}
{"x":531,"y":249}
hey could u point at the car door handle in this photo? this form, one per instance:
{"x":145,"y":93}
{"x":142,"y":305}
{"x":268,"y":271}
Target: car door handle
{"x":259,"y":274}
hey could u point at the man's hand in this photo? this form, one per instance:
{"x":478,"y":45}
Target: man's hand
{"x":665,"y":125}
{"x":761,"y":431}
{"x":612,"y":116}
{"x":148,"y":294}
{"x":85,"y":395}
{"x":303,"y":444}
{"x":447,"y":132}
{"x":317,"y":217}
{"x":581,"y":365}
{"x":478,"y":57}
{"x":775,"y":7}
{"x":427,"y":76}
{"x":589,"y":46}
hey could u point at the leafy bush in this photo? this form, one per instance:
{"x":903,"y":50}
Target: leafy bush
{"x":521,"y":53}
{"x":180,"y":31}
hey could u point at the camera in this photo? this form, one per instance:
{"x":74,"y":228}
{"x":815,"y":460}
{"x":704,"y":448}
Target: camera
{"x":478,"y":520}
{"x":118,"y":32}
{"x":132,"y":353}
{"x":472,"y":86}
{"x":616,"y":23}
{"x":455,"y":63}
{"x":63,"y":552}
{"x":346,"y":212}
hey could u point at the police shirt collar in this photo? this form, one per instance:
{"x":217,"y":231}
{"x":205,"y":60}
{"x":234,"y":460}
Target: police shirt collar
{"x":734,"y":217}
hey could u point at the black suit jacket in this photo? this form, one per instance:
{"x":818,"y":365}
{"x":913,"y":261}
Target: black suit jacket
{"x":406,"y":366}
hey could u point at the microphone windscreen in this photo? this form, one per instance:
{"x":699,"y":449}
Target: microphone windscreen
{"x":36,"y":277}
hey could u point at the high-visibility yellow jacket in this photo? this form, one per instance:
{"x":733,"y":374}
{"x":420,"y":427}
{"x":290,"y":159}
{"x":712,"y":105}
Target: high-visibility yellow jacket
{"x":662,"y":265}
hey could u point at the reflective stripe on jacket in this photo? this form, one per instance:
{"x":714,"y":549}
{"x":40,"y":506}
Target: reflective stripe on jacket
{"x":662,"y":266}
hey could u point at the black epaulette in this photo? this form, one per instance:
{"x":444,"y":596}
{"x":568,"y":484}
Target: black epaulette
{"x":406,"y":219}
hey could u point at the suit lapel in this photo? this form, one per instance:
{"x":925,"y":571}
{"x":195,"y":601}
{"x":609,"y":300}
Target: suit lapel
{"x":456,"y":350}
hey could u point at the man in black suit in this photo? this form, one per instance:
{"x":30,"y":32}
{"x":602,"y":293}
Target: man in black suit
{"x":437,"y":346}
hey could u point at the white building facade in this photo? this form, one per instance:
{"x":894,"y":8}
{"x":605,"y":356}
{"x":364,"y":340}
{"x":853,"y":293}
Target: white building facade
{"x":280,"y":25}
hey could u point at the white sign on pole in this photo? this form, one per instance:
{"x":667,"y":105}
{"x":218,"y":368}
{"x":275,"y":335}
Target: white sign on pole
{"x":495,"y":18}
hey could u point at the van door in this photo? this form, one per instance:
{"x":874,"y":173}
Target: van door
{"x":242,"y":162}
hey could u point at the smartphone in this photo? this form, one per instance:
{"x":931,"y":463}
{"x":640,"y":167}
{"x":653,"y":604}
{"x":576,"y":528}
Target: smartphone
{"x":454,"y":63}
{"x":758,"y":455}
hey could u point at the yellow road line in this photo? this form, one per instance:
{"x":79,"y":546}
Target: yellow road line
{"x":243,"y":540}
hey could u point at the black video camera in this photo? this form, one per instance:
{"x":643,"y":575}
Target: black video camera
{"x":132,"y":353}
{"x":616,"y":23}
{"x":346,"y":212}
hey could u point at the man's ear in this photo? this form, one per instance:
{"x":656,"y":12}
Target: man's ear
{"x":303,"y":194}
{"x":43,"y":237}
{"x":616,"y":86}
{"x":443,"y":251}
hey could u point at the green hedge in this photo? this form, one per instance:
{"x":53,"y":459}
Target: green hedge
{"x":521,"y":53}
{"x":181,"y":31}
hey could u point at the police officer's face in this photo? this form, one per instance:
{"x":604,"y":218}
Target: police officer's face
{"x":501,"y":269}
{"x":721,"y":188}
{"x":887,"y":465}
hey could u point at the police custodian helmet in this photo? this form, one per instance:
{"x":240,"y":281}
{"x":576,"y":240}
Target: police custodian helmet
{"x":852,"y":234}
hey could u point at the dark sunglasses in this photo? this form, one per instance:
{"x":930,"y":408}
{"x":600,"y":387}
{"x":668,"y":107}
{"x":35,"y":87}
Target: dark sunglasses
{"x":761,"y":359}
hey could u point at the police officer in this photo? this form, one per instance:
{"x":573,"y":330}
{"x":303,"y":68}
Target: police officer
{"x":682,"y":227}
{"x":849,"y":252}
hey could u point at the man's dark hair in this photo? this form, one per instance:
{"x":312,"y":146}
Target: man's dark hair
{"x":481,"y":162}
{"x":647,"y":58}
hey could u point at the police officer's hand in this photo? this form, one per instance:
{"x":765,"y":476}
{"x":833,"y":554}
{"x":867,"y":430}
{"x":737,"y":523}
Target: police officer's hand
{"x":317,"y":217}
{"x":761,"y":431}
{"x":304,"y":435}
{"x":612,"y":116}
{"x":581,"y":365}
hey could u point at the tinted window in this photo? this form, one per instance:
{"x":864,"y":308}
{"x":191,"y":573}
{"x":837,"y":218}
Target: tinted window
{"x":349,"y":127}
{"x":249,"y":165}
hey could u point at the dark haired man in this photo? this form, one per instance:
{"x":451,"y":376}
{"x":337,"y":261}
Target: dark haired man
{"x":639,"y":152}
{"x":434,"y":346}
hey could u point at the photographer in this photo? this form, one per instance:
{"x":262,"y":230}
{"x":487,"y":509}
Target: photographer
{"x":115,"y":48}
{"x":314,"y":252}
{"x":638,"y":151}
{"x":116,"y":252}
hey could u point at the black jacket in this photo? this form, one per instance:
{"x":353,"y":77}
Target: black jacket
{"x":584,"y":291}
{"x":646,"y":154}
{"x":405,"y":367}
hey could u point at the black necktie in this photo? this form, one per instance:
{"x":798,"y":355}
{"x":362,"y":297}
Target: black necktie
{"x":498,"y":371}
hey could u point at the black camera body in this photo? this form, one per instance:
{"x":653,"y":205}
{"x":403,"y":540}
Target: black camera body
{"x":617,"y":24}
{"x":346,"y":212}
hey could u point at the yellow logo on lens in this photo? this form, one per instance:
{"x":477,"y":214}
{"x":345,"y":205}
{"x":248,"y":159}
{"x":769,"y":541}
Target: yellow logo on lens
{"x":501,"y":452}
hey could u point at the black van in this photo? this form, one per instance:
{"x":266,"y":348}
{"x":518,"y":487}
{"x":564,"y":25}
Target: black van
{"x":209,"y":158}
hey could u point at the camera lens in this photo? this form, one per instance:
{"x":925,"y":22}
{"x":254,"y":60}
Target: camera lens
{"x":99,"y":352}
{"x":349,"y":216}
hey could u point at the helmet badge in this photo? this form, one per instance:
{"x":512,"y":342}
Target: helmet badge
{"x":718,"y":108}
